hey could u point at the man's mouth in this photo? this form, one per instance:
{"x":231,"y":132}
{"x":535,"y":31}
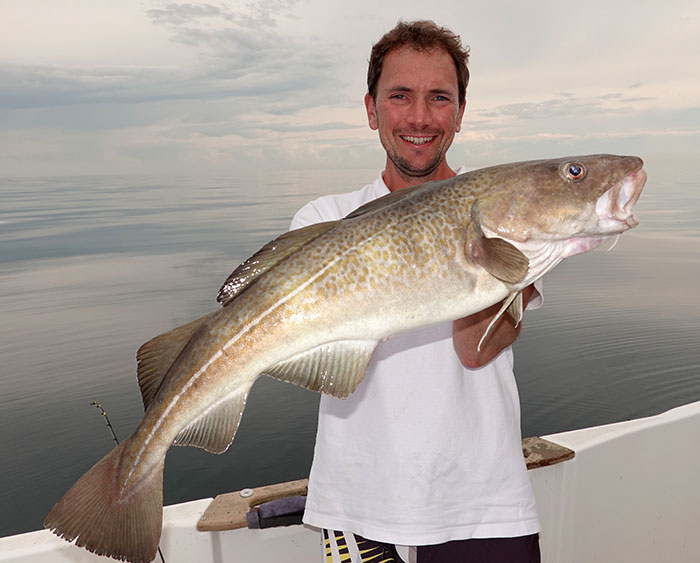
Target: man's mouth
{"x":417,"y":140}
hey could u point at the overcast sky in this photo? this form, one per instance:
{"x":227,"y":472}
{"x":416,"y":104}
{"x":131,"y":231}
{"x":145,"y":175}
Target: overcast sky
{"x":151,"y":86}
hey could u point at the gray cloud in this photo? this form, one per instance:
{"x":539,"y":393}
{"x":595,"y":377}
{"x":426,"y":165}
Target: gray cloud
{"x":326,"y":126}
{"x":240,"y":59}
{"x":253,"y":15}
{"x":174,"y":13}
{"x":31,"y":86}
{"x":247,"y":77}
{"x":266,"y":81}
{"x":567,"y":105}
{"x":259,"y":84}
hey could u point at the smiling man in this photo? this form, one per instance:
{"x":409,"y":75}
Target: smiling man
{"x":416,"y":108}
{"x":426,"y":452}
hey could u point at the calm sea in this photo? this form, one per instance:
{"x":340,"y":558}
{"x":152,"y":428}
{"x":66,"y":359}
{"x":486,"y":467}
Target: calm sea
{"x":92,"y":267}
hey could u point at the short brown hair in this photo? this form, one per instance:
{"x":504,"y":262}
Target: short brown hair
{"x":421,"y":35}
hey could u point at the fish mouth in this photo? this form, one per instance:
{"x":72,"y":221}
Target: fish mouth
{"x":614,"y":207}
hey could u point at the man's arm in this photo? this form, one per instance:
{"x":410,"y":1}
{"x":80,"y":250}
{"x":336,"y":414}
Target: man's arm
{"x":467,"y":332}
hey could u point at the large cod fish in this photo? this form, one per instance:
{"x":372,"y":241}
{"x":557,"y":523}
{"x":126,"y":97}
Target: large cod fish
{"x":310,"y":307}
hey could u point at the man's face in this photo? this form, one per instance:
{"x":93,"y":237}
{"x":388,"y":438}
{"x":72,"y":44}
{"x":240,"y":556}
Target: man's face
{"x":416,"y":112}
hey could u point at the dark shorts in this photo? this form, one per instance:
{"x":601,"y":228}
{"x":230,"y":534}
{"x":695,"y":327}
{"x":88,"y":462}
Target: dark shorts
{"x":525,"y":549}
{"x":340,"y":547}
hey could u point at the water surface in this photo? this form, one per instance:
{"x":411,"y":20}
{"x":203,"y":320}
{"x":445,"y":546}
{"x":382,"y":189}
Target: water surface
{"x":92,"y":267}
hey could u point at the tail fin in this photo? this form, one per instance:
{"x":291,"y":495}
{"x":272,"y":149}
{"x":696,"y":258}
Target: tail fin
{"x":108,"y":520}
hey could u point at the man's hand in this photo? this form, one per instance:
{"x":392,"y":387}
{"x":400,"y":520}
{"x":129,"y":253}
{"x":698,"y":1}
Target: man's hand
{"x":467,"y":332}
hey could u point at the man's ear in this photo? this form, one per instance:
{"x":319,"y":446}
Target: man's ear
{"x":371,"y":112}
{"x":460,"y":114}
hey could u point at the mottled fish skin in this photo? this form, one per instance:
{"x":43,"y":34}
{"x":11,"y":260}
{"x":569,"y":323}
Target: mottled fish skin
{"x":311,"y":306}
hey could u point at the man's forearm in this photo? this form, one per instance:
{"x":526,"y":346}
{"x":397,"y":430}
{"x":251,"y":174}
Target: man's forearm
{"x":467,"y":332}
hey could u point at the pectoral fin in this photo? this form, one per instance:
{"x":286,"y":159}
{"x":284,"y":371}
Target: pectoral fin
{"x":497,"y":256}
{"x":335,"y":368}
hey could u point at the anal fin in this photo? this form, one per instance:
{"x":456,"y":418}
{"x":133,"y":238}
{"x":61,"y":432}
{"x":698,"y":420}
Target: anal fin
{"x":215,"y":428}
{"x":335,"y":368}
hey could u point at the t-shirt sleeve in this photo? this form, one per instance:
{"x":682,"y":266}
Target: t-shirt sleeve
{"x":307,"y":215}
{"x":537,"y":298}
{"x":336,"y":206}
{"x":327,"y":208}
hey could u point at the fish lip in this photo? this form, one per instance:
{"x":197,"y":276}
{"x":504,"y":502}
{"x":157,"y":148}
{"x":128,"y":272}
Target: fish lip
{"x":614,"y":207}
{"x":638,"y":179}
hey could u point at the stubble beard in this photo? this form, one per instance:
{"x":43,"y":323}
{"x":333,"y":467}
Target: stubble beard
{"x":408,"y":171}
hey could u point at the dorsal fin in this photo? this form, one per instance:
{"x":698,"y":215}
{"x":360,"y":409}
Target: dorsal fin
{"x":267,"y":257}
{"x":389,"y":199}
{"x":155,"y":357}
{"x":497,"y":256}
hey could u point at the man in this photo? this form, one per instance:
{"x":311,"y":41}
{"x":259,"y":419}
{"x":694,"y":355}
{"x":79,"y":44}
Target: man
{"x":426,"y":452}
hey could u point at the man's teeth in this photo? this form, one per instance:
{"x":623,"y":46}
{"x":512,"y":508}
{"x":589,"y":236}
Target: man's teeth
{"x":417,"y":140}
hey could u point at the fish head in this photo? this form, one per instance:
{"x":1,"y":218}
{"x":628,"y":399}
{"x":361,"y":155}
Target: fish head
{"x":562,"y":198}
{"x":553,"y":209}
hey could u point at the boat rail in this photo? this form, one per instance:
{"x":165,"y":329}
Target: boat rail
{"x":230,"y":511}
{"x":630,"y":495}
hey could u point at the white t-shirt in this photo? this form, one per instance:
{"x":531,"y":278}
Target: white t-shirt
{"x":425,"y":451}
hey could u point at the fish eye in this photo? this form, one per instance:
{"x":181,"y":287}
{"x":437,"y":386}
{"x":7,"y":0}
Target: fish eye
{"x":572,"y":171}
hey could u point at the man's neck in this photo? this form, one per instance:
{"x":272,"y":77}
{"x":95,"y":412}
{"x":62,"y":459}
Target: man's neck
{"x":395,"y":180}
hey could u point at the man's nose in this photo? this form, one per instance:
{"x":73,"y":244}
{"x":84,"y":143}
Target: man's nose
{"x":420,"y":114}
